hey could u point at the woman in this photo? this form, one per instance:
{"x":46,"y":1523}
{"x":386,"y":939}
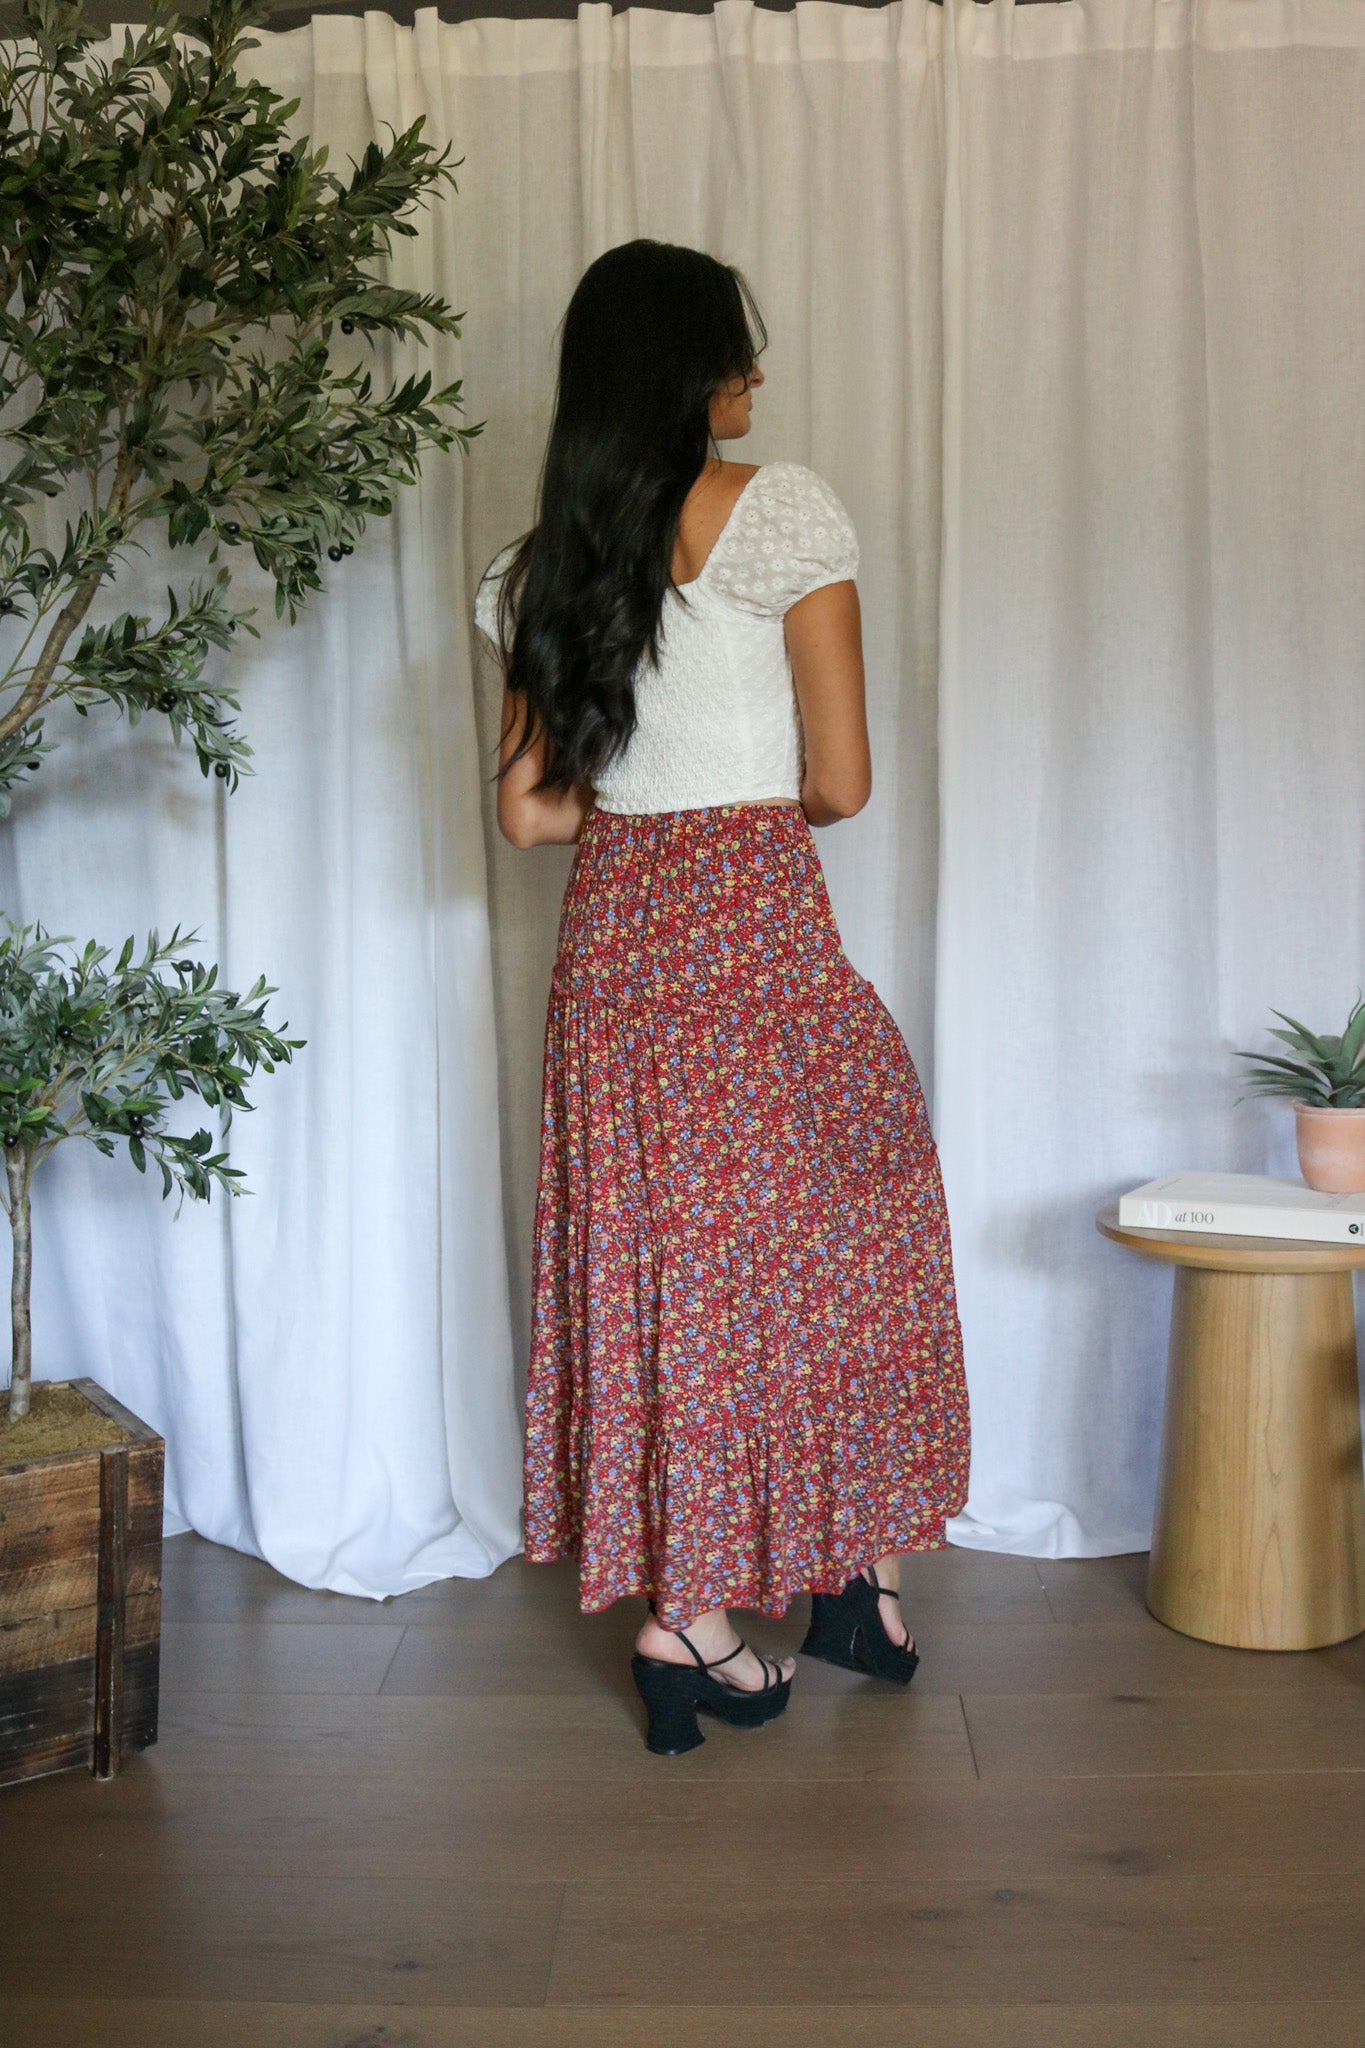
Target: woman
{"x":746,"y":1367}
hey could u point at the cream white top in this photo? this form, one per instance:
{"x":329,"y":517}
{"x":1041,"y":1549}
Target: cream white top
{"x":717,"y":719}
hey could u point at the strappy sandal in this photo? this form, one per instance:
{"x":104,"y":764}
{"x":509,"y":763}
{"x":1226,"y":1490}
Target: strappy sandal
{"x":674,"y":1694}
{"x":847,"y":1629}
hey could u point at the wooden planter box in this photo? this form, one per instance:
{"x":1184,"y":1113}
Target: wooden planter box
{"x":80,"y":1601}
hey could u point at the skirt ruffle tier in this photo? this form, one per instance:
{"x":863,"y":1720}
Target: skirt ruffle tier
{"x":746,"y":1372}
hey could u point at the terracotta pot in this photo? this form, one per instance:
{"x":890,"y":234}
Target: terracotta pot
{"x":1331,"y":1147}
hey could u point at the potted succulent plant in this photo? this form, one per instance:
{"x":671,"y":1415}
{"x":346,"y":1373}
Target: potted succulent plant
{"x":1326,"y":1083}
{"x":191,"y":300}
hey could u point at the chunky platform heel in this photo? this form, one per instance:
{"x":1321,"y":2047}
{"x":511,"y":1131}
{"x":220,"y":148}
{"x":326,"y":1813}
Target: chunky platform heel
{"x":847,"y":1629}
{"x":674,"y":1694}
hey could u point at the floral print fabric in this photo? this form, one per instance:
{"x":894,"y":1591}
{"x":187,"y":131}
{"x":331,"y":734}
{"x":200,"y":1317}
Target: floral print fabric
{"x":746,"y":1372}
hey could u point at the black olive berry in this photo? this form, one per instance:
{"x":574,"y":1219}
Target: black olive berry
{"x":6,"y":604}
{"x":167,"y":701}
{"x":32,"y":765}
{"x":348,"y":326}
{"x":65,"y":1033}
{"x":334,"y":554}
{"x":42,"y":572}
{"x":221,"y":770}
{"x":136,"y":1126}
{"x":346,"y":548}
{"x":285,"y":160}
{"x":232,"y":529}
{"x":183,"y":966}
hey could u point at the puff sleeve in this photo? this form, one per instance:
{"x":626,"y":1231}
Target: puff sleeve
{"x":486,"y":599}
{"x":791,"y":536}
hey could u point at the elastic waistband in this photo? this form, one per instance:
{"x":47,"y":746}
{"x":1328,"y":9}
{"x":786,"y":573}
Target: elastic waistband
{"x":696,"y":814}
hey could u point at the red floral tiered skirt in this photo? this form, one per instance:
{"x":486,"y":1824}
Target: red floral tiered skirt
{"x":746,"y":1367}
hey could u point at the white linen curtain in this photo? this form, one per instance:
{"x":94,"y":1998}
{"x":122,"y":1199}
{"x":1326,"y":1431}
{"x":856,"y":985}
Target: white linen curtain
{"x":1067,"y":301}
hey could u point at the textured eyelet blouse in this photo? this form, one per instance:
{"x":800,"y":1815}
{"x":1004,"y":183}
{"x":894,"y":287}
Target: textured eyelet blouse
{"x":717,"y":718}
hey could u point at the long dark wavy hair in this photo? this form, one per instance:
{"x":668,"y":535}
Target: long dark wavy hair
{"x":651,"y":333}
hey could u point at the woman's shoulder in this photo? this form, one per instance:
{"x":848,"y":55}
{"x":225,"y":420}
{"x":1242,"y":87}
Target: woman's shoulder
{"x":792,"y":535}
{"x":793,"y":476}
{"x":794,"y":490}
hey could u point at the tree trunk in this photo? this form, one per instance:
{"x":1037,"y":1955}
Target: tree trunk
{"x":17,"y":1171}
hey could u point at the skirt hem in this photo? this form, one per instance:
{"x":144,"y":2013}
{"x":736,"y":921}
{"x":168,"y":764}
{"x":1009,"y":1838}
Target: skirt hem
{"x":746,"y":1597}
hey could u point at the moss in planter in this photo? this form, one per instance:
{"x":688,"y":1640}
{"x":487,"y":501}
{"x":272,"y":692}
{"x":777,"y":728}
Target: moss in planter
{"x":59,"y":1419}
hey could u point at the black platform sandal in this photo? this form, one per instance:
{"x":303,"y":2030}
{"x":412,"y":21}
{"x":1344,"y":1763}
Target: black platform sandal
{"x":674,"y":1694}
{"x":847,"y":1629}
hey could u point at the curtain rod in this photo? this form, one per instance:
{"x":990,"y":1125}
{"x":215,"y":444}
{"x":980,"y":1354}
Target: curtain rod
{"x":102,"y":14}
{"x":402,"y":11}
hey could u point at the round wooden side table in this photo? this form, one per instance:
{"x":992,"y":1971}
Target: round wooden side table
{"x":1259,"y":1534}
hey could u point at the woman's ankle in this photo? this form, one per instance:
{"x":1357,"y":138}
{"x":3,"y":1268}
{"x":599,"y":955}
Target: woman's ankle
{"x":703,"y":1628}
{"x":887,"y":1572}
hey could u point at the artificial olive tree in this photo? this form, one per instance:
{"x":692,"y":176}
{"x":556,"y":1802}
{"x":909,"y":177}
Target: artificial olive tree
{"x":189,"y":299}
{"x":94,"y":1051}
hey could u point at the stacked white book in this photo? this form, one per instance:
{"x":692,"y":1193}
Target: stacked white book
{"x":1243,"y":1205}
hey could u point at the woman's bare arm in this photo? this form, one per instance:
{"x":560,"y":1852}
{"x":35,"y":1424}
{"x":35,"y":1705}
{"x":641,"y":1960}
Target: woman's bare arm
{"x":528,"y":817}
{"x":825,"y":641}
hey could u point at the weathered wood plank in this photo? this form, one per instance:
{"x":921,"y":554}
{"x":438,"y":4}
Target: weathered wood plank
{"x":47,"y":1639}
{"x":50,"y":1507}
{"x":47,"y":1717}
{"x":56,"y":1588}
{"x":47,"y":1720}
{"x":110,"y":1626}
{"x":73,"y":1582}
{"x":49,"y":1510}
{"x":71,"y":1632}
{"x":146,"y":1492}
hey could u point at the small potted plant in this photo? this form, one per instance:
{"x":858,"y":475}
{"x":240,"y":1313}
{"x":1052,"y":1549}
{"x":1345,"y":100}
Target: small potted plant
{"x":98,"y":1050}
{"x":1326,"y":1083}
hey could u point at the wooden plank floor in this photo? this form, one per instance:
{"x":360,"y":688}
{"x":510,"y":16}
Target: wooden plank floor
{"x":432,"y":1821}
